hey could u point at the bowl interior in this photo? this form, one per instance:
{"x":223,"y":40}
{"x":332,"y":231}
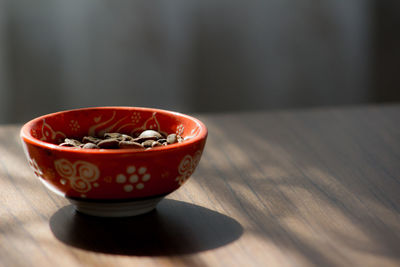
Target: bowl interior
{"x":53,"y":128}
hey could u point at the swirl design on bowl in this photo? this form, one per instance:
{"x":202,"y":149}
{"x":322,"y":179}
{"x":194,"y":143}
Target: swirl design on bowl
{"x":79,"y":174}
{"x":187,"y":166}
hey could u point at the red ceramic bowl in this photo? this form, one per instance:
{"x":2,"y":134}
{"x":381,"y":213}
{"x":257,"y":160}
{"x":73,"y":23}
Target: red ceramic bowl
{"x":112,"y":182}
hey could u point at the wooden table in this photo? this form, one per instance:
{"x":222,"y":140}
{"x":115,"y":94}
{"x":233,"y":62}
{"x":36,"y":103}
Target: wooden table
{"x":317,"y":187}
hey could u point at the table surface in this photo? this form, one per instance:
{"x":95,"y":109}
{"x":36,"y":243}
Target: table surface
{"x":318,"y":187}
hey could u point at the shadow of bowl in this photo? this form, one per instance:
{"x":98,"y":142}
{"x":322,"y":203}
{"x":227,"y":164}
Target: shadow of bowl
{"x":174,"y":228}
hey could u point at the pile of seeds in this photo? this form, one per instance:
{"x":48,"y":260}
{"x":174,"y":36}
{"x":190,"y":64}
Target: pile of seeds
{"x":146,"y":140}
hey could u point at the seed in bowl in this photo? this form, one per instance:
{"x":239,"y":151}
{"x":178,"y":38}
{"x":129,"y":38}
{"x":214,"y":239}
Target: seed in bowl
{"x":145,"y":140}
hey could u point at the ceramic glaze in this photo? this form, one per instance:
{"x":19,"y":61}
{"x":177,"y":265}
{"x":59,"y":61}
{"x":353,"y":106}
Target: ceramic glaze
{"x":112,"y":174}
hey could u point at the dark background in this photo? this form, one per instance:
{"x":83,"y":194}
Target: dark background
{"x":196,"y":56}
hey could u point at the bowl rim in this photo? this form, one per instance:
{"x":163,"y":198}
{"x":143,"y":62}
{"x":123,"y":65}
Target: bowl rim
{"x":28,"y":138}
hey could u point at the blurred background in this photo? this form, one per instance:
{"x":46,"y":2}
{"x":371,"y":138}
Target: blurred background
{"x":196,"y":56}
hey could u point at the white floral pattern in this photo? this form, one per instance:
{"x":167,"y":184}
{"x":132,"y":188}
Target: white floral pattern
{"x":133,"y":178}
{"x":79,"y":174}
{"x":187,"y":166}
{"x":150,"y":124}
{"x":179,"y":129}
{"x":74,"y":125}
{"x":135,"y":117}
{"x":36,"y":169}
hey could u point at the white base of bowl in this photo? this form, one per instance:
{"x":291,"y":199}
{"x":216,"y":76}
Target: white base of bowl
{"x":116,"y":209}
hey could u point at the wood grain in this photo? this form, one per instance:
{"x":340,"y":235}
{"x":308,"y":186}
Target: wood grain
{"x":315,"y":187}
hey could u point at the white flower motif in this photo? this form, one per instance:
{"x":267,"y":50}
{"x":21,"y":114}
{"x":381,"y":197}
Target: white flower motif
{"x":135,"y":117}
{"x":179,"y":129}
{"x":133,"y":178}
{"x":187,"y":167}
{"x":35,"y":133}
{"x":80,"y":174}
{"x":74,"y":125}
{"x":36,"y":169}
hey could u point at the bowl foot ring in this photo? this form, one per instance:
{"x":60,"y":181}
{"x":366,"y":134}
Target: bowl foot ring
{"x":116,"y":209}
